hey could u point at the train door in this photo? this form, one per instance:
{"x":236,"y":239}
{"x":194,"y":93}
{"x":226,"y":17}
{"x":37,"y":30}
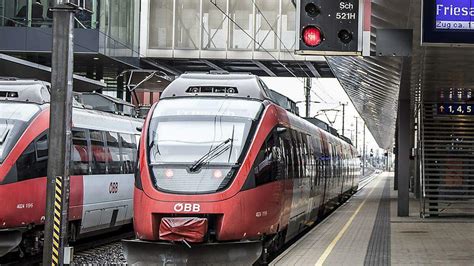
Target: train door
{"x":286,"y":166}
{"x":342,"y":169}
{"x":331,"y":174}
{"x":318,"y":191}
{"x":298,"y":210}
{"x":108,"y":187}
{"x":306,"y":200}
{"x":325,"y":172}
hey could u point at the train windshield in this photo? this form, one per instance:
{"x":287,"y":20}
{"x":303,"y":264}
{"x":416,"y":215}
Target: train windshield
{"x":195,"y":144}
{"x":14,"y":118}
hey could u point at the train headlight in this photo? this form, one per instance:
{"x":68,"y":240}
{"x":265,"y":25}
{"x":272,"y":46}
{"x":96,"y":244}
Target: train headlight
{"x":217,"y":174}
{"x":169,"y":173}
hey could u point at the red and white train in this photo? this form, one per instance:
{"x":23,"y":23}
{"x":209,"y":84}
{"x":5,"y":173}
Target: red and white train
{"x":103,"y":163}
{"x":223,"y":162}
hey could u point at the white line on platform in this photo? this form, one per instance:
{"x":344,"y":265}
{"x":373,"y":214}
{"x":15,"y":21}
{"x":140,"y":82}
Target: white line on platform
{"x":331,"y":246}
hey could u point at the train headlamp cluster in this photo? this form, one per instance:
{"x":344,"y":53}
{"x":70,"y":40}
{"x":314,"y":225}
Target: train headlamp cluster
{"x":169,"y":173}
{"x":217,"y":173}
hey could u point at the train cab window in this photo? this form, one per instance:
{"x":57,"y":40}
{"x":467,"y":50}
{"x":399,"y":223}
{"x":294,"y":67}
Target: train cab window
{"x":42,"y":148}
{"x":99,"y":155}
{"x":265,"y":167}
{"x":26,"y":163}
{"x":33,"y":162}
{"x":79,"y":153}
{"x":41,"y":165}
{"x":113,"y":153}
{"x":128,"y":153}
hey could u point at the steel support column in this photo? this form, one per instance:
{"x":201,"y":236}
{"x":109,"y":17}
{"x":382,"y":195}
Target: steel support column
{"x":363,"y":152}
{"x":120,"y":86}
{"x":57,"y":200}
{"x":357,"y":133}
{"x":395,"y":153}
{"x":307,"y":92}
{"x":343,"y":117}
{"x":404,"y":141}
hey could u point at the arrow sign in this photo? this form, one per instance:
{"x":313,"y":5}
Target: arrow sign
{"x":441,"y":109}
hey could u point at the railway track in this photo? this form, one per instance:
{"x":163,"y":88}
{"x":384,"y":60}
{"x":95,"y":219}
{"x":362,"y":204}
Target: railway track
{"x":80,"y":247}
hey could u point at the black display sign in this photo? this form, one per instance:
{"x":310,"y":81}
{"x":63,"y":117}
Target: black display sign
{"x":448,"y":22}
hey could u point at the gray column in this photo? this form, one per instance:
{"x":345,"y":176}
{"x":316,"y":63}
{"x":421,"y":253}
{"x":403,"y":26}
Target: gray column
{"x":403,"y":131}
{"x":395,"y":153}
{"x":120,"y":87}
{"x":307,"y":92}
{"x":57,"y":199}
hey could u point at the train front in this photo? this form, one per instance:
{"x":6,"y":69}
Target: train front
{"x":190,"y":198}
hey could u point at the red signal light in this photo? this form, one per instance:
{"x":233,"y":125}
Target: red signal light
{"x":312,"y":36}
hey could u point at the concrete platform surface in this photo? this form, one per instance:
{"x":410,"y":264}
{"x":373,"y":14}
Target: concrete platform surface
{"x":367,"y":231}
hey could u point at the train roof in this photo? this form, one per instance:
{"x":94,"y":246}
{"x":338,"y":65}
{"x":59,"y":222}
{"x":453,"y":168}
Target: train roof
{"x":38,"y":92}
{"x":225,"y":84}
{"x":216,"y":84}
{"x":85,"y":118}
{"x":32,"y":91}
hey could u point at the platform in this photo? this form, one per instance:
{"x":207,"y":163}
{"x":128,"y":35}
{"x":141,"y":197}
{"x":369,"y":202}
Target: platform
{"x":367,"y":231}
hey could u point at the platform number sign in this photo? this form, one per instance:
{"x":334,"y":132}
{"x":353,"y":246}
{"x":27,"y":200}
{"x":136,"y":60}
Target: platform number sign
{"x":329,"y":27}
{"x":455,"y":109}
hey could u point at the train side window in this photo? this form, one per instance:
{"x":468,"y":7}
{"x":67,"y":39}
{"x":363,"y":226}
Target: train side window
{"x":99,"y":154}
{"x":310,"y":155}
{"x":79,"y":153}
{"x":295,"y":155}
{"x":113,"y":153}
{"x":285,"y":153}
{"x":306,"y":155}
{"x":128,"y":153}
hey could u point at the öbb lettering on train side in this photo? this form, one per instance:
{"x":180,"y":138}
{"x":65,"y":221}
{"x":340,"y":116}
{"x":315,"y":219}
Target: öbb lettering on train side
{"x":455,"y":109}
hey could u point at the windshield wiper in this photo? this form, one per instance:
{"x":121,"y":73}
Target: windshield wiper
{"x":3,"y":135}
{"x":211,"y":154}
{"x":231,"y":143}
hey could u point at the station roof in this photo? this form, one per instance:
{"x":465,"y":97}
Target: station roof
{"x":437,"y":74}
{"x":372,"y":83}
{"x":14,"y":67}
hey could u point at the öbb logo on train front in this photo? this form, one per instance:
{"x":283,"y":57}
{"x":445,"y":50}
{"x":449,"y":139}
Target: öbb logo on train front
{"x":187,"y":207}
{"x":113,"y":187}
